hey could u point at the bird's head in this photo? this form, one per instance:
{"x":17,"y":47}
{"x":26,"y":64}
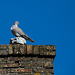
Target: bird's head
{"x":16,"y":23}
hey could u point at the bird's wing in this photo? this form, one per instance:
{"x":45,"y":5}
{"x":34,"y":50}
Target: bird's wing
{"x":19,"y":31}
{"x":22,"y":34}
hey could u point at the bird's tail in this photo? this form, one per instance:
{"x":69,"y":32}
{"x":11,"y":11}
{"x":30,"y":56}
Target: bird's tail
{"x":27,"y":38}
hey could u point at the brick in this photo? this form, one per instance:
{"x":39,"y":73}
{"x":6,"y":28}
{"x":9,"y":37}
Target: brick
{"x":41,"y":48}
{"x":37,"y":59}
{"x":44,"y":49}
{"x":16,"y":48}
{"x":36,"y":49}
{"x":52,"y":71}
{"x":13,"y":65}
{"x":49,"y":71}
{"x":8,"y":62}
{"x":29,"y":49}
{"x":6,"y":65}
{"x":3,"y":52}
{"x":10,"y":49}
{"x":23,"y":49}
{"x":48,"y":65}
{"x":23,"y":59}
{"x":37,"y":70}
{"x":30,"y":65}
{"x":43,"y":73}
{"x":34,"y":60}
{"x":13,"y":74}
{"x":13,"y":58}
{"x":3,"y":71}
{"x":48,"y":59}
{"x":20,"y":70}
{"x":3,"y":47}
{"x":51,"y":53}
{"x":48,"y":74}
{"x":42,"y":70}
{"x":47,"y":50}
{"x":49,"y":47}
{"x":37,"y":73}
{"x":3,"y":65}
{"x":24,"y":64}
{"x":25,"y":74}
{"x":54,"y":47}
{"x":3,"y":59}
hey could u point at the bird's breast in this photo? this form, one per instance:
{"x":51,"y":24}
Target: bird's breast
{"x":13,"y":32}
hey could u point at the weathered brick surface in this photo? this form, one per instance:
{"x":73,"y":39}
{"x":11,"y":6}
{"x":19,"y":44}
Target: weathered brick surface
{"x":3,"y":71}
{"x":36,"y":59}
{"x":16,"y":49}
{"x":48,"y":65}
{"x":36,"y":49}
{"x":41,"y":70}
{"x":30,"y":64}
{"x":20,"y":70}
{"x":13,"y":74}
{"x":3,"y":47}
{"x":23,"y":49}
{"x":3,"y":59}
{"x":29,"y":49}
{"x":19,"y":59}
{"x":3,"y":65}
{"x":31,"y":74}
{"x":3,"y":52}
{"x":10,"y":49}
{"x":47,"y":50}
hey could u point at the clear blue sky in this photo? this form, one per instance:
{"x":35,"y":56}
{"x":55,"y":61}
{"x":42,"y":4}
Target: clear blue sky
{"x":47,"y":22}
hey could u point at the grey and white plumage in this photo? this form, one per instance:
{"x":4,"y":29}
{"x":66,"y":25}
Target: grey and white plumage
{"x":18,"y":32}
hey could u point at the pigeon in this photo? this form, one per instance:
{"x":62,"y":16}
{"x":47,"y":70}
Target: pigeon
{"x":18,"y":32}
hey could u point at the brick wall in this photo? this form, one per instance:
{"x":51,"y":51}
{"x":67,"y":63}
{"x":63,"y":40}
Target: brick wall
{"x":19,"y":59}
